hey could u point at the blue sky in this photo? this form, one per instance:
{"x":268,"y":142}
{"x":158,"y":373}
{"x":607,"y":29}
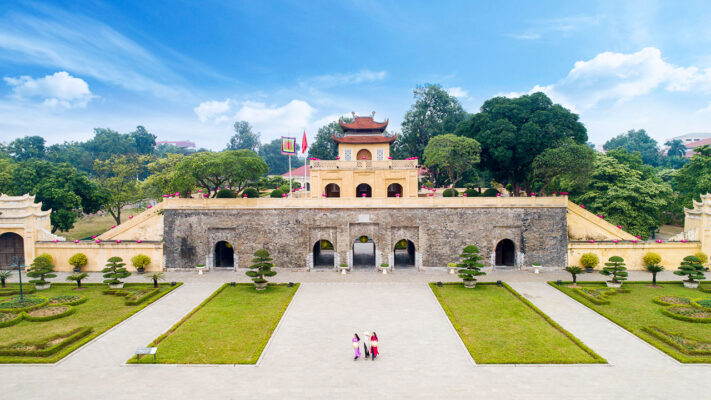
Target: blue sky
{"x":189,"y":69}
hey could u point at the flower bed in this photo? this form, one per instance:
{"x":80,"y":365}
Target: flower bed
{"x":28,"y":303}
{"x":46,"y":347}
{"x":599,"y":295}
{"x":48,"y":313}
{"x":688,"y":313}
{"x":71,"y":300}
{"x":680,"y":342}
{"x":9,"y":318}
{"x":133,"y":296}
{"x":671,"y":300}
{"x":702,"y":303}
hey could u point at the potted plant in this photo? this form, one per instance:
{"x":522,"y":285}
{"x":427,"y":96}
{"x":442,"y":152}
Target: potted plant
{"x":470,"y":266}
{"x":262,"y":267}
{"x":200,"y":268}
{"x":155,"y":277}
{"x":692,"y":268}
{"x":343,"y":267}
{"x":589,"y":261}
{"x":78,"y":260}
{"x":536,"y":268}
{"x":384,"y":267}
{"x":41,"y":268}
{"x":452,"y":267}
{"x":114,"y":271}
{"x":140,"y":262}
{"x":574,"y":270}
{"x":615,"y":267}
{"x":3,"y":277}
{"x":77,"y":278}
{"x":651,"y":262}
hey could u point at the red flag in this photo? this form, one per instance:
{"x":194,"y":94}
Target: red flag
{"x":304,"y":143}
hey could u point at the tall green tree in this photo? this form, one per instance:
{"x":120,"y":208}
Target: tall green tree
{"x":27,"y":148}
{"x":513,"y":132}
{"x":676,"y":148}
{"x":278,"y":163}
{"x":435,"y":112}
{"x":232,"y":169}
{"x":323,"y":146}
{"x":244,"y":137}
{"x":570,"y":161}
{"x":73,"y":153}
{"x":454,"y":155}
{"x":144,"y":140}
{"x":637,"y":140}
{"x":164,"y":177}
{"x":118,"y":177}
{"x":694,"y":178}
{"x":107,"y":142}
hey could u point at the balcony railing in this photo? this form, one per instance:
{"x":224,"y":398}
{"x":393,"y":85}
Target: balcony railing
{"x":363,"y":164}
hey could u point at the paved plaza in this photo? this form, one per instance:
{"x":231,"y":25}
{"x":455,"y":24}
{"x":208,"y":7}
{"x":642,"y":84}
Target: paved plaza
{"x":310,"y":354}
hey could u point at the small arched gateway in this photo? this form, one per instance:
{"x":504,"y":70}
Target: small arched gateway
{"x":505,"y":253}
{"x":224,"y":255}
{"x":323,"y":252}
{"x":364,"y":154}
{"x":12,"y":250}
{"x":364,"y":190}
{"x":333,"y":190}
{"x":394,"y":190}
{"x":363,"y":252}
{"x":404,"y":253}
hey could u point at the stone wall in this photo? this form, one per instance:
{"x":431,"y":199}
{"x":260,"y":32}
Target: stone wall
{"x":439,"y":234}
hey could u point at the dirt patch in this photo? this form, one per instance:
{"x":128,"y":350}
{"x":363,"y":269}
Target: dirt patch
{"x":48,"y":311}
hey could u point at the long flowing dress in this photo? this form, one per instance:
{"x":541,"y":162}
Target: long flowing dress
{"x":374,"y":347}
{"x":356,"y":347}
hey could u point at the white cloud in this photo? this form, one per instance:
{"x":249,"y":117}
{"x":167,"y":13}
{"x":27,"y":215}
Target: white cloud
{"x":557,"y":26}
{"x":213,"y":110}
{"x":57,"y":90}
{"x":274,"y":121}
{"x":351,"y":78}
{"x":458,"y":92}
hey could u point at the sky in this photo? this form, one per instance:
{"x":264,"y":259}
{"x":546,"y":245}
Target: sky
{"x":190,"y":69}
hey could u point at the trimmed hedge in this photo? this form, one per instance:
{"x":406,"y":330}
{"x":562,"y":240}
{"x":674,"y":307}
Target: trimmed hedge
{"x":80,"y":300}
{"x":678,"y":344}
{"x":41,"y":303}
{"x":490,"y":192}
{"x":11,"y":322}
{"x":599,"y":296}
{"x":702,"y":303}
{"x":668,"y":312}
{"x":70,"y":310}
{"x":26,"y":289}
{"x":224,"y":194}
{"x":276,"y":194}
{"x":251,"y":192}
{"x":705,"y":288}
{"x":660,"y":300}
{"x":133,"y":298}
{"x":450,"y":193}
{"x":472,"y":193}
{"x":40,"y":349}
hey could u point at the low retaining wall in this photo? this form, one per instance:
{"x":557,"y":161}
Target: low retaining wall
{"x":98,"y":253}
{"x":672,"y":252}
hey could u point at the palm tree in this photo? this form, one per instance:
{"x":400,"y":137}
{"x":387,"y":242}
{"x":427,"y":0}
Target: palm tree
{"x":77,"y":278}
{"x":574,"y":270}
{"x":156,"y":276}
{"x":3,"y":276}
{"x":676,"y":148}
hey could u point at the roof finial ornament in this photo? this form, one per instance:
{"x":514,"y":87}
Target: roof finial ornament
{"x":372,"y":115}
{"x":353,"y":114}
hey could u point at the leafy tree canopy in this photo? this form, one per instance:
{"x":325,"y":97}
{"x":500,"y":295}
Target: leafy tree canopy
{"x":278,"y":163}
{"x":455,"y":155}
{"x":694,"y":178}
{"x":233,"y":169}
{"x":513,"y":132}
{"x":244,"y":137}
{"x":118,"y":176}
{"x":637,"y":140}
{"x":570,"y":161}
{"x":26,"y":148}
{"x":323,"y":146}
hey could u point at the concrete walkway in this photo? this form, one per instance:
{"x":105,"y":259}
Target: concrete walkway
{"x":310,"y":355}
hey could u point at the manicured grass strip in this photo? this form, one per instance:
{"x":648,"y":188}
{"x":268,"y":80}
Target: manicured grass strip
{"x":98,"y":314}
{"x":232,"y":326}
{"x":638,"y":312}
{"x":499,"y":326}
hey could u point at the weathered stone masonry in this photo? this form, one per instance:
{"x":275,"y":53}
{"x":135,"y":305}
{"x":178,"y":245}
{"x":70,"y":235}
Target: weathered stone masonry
{"x":439,"y":234}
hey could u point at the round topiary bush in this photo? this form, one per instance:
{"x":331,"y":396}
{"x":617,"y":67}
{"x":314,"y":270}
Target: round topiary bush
{"x":251,"y":192}
{"x":472,"y":193}
{"x":78,"y":260}
{"x":702,"y":257}
{"x":490,"y":192}
{"x":276,"y":193}
{"x":589,"y":260}
{"x":140,"y":261}
{"x":450,"y":193}
{"x":651,"y":258}
{"x":225,"y":194}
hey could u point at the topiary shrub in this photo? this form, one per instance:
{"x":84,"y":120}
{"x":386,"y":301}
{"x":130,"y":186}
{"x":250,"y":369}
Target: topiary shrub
{"x":470,"y":266}
{"x":262,"y":267}
{"x":140,"y":261}
{"x":490,"y":192}
{"x":276,"y":193}
{"x":78,"y":260}
{"x":509,"y":188}
{"x":41,"y":268}
{"x":450,"y":193}
{"x":589,"y":260}
{"x":472,"y":193}
{"x":225,"y":194}
{"x":703,"y":258}
{"x":692,"y":268}
{"x":615,"y":267}
{"x":47,"y":257}
{"x":251,"y":192}
{"x":651,"y":261}
{"x":114,"y":271}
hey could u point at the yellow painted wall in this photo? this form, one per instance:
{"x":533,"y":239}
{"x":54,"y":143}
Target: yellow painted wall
{"x":98,"y":253}
{"x":378,"y":179}
{"x":672,"y":252}
{"x":355,"y":148}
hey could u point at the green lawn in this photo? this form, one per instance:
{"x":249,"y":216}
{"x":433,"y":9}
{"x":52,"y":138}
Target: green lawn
{"x":232,"y":326}
{"x":498,"y":326}
{"x":99,"y":313}
{"x":636,"y":310}
{"x":89,"y":225}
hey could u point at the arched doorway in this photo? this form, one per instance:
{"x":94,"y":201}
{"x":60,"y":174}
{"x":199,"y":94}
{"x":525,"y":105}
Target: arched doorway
{"x":394,"y":189}
{"x":224,"y":255}
{"x":364,"y":189}
{"x":12,"y":249}
{"x":363,"y":252}
{"x":323,"y":254}
{"x":505,"y":253}
{"x":364,"y":154}
{"x":333,"y":190}
{"x":404,"y":253}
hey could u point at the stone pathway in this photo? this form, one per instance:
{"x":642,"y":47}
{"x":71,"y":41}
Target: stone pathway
{"x":310,"y":353}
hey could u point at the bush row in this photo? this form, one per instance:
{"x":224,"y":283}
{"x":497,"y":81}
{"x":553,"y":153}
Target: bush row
{"x":662,"y":302}
{"x":133,"y":298}
{"x":24,"y":315}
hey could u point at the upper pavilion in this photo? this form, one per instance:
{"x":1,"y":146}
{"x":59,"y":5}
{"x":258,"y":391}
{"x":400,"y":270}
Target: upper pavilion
{"x":364,"y":167}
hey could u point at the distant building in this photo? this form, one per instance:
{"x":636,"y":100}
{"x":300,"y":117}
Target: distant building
{"x":693,"y":137}
{"x":301,"y":175}
{"x":692,"y":145}
{"x":187,"y":144}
